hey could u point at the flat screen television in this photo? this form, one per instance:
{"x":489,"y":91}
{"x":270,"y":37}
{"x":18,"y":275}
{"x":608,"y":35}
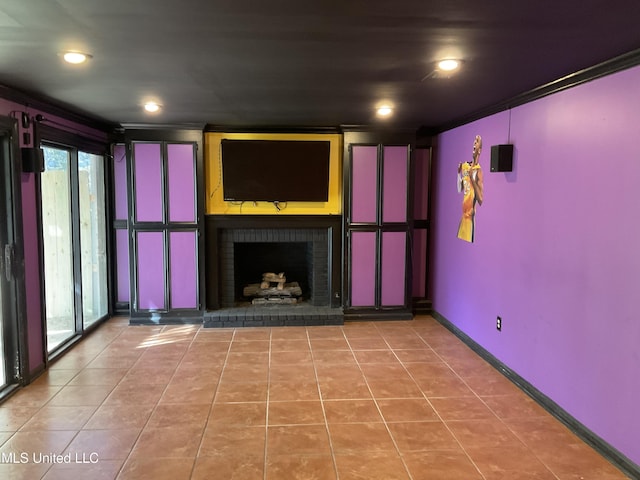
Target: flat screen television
{"x":275,"y":170}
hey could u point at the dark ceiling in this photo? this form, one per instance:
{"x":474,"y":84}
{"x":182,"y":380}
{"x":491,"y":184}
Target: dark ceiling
{"x":266,"y":63}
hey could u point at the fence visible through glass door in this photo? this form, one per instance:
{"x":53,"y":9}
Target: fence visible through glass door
{"x":74,"y":242}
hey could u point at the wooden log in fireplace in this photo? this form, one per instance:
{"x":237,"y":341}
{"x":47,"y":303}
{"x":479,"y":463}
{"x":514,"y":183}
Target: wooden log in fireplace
{"x":288,"y":290}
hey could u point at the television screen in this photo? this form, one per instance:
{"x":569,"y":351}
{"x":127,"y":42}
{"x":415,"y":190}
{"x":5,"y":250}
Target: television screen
{"x":275,"y":170}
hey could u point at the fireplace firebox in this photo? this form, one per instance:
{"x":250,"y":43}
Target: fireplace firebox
{"x":240,"y":249}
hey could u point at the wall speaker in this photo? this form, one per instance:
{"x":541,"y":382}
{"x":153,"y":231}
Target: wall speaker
{"x":32,"y":159}
{"x":502,"y":158}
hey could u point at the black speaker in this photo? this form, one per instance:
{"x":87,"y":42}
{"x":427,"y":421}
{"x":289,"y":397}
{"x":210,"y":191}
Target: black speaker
{"x":32,"y":159}
{"x":502,"y":158}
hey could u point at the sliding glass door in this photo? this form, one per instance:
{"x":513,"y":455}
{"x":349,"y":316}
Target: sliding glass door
{"x":93,"y":254}
{"x":55,"y":187}
{"x":11,"y":288}
{"x":74,"y":242}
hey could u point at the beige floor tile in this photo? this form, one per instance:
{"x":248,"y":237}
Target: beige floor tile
{"x":246,"y":414}
{"x":298,"y":440}
{"x":300,"y":467}
{"x":295,"y":413}
{"x":351,"y":411}
{"x":81,"y":395}
{"x":231,"y":392}
{"x":59,"y":418}
{"x":227,"y":440}
{"x":406,"y":410}
{"x":14,"y":417}
{"x":168,"y":442}
{"x":140,"y":468}
{"x":422,"y":436}
{"x":360,"y":438}
{"x":441,"y":465}
{"x":372,"y":466}
{"x":462,"y":408}
{"x":367,"y":400}
{"x":101,"y":470}
{"x":285,"y":390}
{"x":482,"y":433}
{"x":99,"y":376}
{"x":120,"y":417}
{"x":103,"y":444}
{"x":179,"y":415}
{"x":237,"y":466}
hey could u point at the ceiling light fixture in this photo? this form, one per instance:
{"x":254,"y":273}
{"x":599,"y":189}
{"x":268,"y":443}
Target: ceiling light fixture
{"x":384,"y":110}
{"x":448,"y":64}
{"x":151,"y":107}
{"x":75,"y":58}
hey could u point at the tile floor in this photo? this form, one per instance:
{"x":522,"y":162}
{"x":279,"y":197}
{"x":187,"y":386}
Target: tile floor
{"x":383,"y":400}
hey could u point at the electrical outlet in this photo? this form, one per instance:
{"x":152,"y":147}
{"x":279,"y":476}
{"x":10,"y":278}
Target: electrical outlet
{"x":499,"y":323}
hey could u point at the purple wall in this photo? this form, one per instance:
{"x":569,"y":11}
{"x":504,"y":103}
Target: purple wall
{"x":555,"y":250}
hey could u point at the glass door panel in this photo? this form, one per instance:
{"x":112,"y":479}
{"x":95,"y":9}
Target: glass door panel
{"x":3,"y":376}
{"x":10,"y":270}
{"x":93,"y":242}
{"x":58,"y":250}
{"x":5,"y":318}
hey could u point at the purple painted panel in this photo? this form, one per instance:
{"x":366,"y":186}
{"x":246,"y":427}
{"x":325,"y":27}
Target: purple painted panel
{"x":421,"y":184}
{"x":148,"y":182}
{"x":184,"y":269}
{"x":394,"y":249}
{"x":363,"y":269}
{"x":364,"y":187}
{"x":120,"y":182}
{"x":554,"y":251}
{"x":122,"y":266}
{"x":181,"y":182}
{"x":394,"y":186}
{"x":419,"y":254}
{"x":151,"y":271}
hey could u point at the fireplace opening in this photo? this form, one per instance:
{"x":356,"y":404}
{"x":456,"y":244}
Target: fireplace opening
{"x":253,"y":259}
{"x":241,"y":249}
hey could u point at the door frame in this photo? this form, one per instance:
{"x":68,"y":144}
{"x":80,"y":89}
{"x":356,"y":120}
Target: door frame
{"x":15,"y":332}
{"x":73,"y":143}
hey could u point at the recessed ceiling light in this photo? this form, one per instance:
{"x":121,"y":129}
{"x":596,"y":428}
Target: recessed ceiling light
{"x":75,"y":57}
{"x":448,"y":65}
{"x":384,"y":110}
{"x":151,"y":107}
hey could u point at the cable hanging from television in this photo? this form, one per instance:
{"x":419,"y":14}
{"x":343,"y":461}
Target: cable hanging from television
{"x":280,"y":205}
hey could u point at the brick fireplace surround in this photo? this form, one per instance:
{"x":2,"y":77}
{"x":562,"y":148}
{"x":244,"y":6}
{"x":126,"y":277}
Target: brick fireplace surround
{"x":321,"y":303}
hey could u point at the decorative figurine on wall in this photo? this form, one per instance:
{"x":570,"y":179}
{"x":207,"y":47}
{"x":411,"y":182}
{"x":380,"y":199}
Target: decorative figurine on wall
{"x":470,"y":183}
